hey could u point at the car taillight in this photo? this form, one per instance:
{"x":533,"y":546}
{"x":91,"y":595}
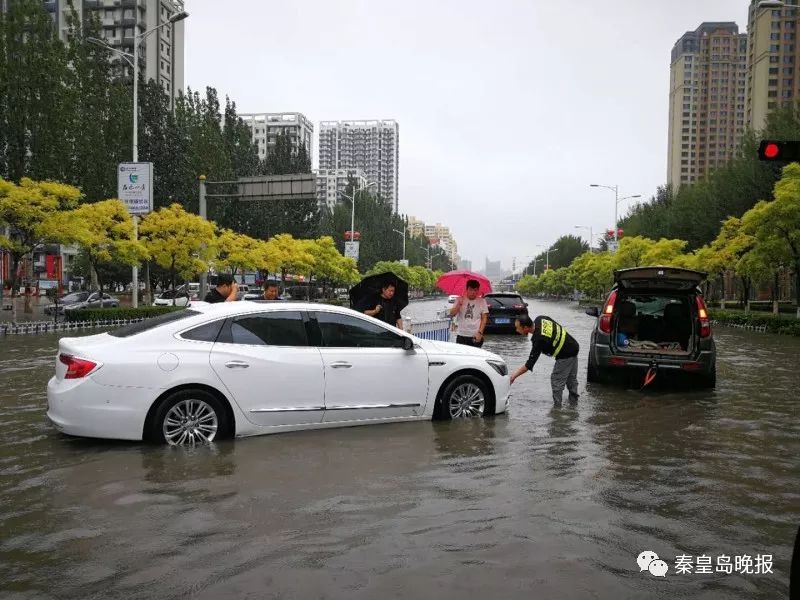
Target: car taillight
{"x":608,"y":313}
{"x":519,"y":306}
{"x":702,"y":313}
{"x":691,"y":366}
{"x":76,"y":367}
{"x":616,"y":361}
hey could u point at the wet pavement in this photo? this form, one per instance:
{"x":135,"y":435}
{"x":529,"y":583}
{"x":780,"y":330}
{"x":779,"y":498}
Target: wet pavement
{"x":545,"y":502}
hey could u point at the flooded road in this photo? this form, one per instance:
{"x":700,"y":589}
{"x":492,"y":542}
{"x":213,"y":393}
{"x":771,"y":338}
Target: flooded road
{"x":544,"y":502}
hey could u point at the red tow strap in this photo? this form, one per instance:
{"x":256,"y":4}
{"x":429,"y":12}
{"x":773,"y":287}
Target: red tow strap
{"x":650,"y":377}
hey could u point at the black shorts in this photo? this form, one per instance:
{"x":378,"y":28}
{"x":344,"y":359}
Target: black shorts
{"x":468,"y":341}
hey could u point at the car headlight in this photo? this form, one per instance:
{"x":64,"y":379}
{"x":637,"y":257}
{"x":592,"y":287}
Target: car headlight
{"x":499,"y":366}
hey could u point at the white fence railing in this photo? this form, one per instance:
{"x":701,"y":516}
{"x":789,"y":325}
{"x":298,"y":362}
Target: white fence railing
{"x":29,"y":327}
{"x":437,"y":330}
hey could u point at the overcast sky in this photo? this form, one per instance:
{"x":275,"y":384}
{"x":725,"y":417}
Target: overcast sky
{"x":508,"y":110}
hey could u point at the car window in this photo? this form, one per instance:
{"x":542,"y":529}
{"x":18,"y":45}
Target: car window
{"x":76,"y":297}
{"x":94,"y":298}
{"x":504,"y":301}
{"x":149,"y":324}
{"x":280,"y":328}
{"x":204,"y":333}
{"x":652,"y":305}
{"x":344,"y":331}
{"x":106,"y":297}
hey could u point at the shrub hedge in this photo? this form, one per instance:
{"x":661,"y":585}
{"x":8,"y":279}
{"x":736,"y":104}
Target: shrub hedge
{"x":111,"y":314}
{"x":786,"y":325}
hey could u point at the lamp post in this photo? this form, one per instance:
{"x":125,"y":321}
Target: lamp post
{"x":617,"y":200}
{"x":428,"y":250}
{"x":133,"y":60}
{"x":353,"y":202}
{"x":403,"y":233}
{"x":591,"y":234}
{"x":547,"y":265}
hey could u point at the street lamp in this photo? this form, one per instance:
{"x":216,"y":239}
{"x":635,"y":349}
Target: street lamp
{"x":353,"y":209}
{"x":547,"y":265}
{"x":591,"y":234}
{"x":133,"y":60}
{"x":617,"y":199}
{"x":403,"y":233}
{"x":428,"y":250}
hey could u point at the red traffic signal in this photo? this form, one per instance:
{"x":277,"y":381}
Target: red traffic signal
{"x":772,"y":150}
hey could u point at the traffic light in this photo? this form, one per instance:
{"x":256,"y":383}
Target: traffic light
{"x":773,"y":150}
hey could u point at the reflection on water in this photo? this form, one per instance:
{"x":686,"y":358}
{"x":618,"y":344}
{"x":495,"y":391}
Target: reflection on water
{"x":546,"y":501}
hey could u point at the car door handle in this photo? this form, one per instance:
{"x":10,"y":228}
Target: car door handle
{"x":237,"y":364}
{"x":341,"y":365}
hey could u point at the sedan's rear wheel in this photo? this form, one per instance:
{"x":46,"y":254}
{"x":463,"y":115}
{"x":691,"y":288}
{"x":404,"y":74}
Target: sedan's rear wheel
{"x":465,"y":397}
{"x":188,"y":418}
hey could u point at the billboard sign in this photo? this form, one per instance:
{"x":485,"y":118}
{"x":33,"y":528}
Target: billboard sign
{"x":135,"y":186}
{"x":351,"y":250}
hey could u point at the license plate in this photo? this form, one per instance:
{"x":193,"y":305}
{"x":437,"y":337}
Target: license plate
{"x":502,"y":321}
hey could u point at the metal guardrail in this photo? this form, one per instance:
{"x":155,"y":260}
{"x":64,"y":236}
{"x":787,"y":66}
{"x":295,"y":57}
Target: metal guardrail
{"x":34,"y":327}
{"x":756,"y":328}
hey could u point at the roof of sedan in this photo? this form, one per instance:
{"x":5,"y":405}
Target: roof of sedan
{"x":243,"y":306}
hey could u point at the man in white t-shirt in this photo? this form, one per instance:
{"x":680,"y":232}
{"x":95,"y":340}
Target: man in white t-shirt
{"x":473,"y":312}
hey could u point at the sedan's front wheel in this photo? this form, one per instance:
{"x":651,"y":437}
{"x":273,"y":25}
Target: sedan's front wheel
{"x":188,"y":418}
{"x":466,"y":397}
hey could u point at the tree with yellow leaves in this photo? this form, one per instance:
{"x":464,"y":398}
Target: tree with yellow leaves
{"x":31,"y":210}
{"x":181,"y":242}
{"x":289,"y":255}
{"x":236,"y":252}
{"x":105,"y":232}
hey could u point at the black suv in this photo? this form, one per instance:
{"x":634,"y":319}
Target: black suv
{"x":504,"y":309}
{"x":654,"y":318}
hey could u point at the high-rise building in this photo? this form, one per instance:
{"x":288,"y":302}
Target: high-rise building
{"x":372,"y":146}
{"x":161,"y":52}
{"x":331,"y":183}
{"x":438,"y":235}
{"x":267,"y":126}
{"x":465,"y":265}
{"x":773,"y":56}
{"x":708,"y":73}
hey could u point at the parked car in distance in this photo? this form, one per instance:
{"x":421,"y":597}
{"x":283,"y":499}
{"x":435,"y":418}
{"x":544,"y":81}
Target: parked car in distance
{"x":452,"y":299}
{"x":654,"y":317}
{"x":66,"y":300}
{"x":504,"y":309}
{"x":91,"y":301}
{"x":200,"y":374}
{"x":179,"y":297}
{"x":253,"y":294}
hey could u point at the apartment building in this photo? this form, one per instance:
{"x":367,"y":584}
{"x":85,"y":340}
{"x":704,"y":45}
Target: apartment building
{"x":773,"y":54}
{"x":332,"y":183}
{"x":708,"y":76}
{"x":371,"y":146}
{"x":266,"y":128}
{"x":160,"y":53}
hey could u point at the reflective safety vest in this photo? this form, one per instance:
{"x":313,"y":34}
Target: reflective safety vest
{"x":556,"y":334}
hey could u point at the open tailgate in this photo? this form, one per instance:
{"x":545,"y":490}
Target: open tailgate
{"x":658,"y":278}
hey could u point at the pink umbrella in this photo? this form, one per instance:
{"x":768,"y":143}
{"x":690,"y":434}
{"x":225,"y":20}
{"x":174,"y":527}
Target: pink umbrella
{"x":455,"y":282}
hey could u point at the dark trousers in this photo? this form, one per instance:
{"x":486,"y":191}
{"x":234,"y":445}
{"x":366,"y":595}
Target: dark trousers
{"x":468,"y":341}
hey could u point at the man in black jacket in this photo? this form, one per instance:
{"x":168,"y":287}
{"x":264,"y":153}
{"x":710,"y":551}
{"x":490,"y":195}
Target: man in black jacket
{"x":225,"y":291}
{"x":551,"y":339}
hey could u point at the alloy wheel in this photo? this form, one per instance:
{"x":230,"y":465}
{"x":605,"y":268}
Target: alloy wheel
{"x":190,"y":422}
{"x":467,"y":401}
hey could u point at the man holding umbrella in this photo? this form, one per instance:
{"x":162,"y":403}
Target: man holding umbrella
{"x":382,"y":297}
{"x":473,"y":312}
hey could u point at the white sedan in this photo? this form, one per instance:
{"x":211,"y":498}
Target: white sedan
{"x":245,"y":368}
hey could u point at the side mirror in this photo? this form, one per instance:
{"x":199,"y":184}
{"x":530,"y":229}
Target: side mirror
{"x":526,"y":305}
{"x":408,"y":344}
{"x":593,"y":311}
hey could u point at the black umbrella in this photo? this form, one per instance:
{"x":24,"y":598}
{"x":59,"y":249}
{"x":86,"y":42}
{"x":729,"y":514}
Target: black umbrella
{"x":371,"y":286}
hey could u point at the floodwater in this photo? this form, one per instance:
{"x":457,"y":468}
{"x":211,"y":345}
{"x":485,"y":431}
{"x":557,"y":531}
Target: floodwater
{"x":544,"y":502}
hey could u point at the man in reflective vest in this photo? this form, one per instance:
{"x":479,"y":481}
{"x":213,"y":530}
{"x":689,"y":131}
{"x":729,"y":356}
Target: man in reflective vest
{"x":551,"y":339}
